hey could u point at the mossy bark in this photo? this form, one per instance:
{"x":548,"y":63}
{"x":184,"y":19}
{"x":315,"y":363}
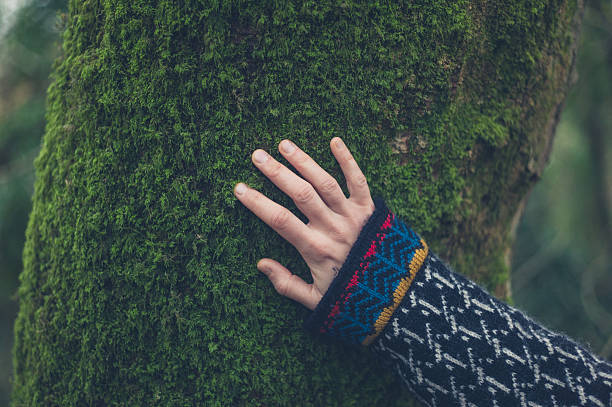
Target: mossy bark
{"x":139,"y":284}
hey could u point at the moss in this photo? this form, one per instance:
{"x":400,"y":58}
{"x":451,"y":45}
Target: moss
{"x":139,"y":284}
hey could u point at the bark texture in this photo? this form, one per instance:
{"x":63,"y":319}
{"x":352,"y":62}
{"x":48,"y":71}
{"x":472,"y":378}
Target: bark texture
{"x":139,"y":284}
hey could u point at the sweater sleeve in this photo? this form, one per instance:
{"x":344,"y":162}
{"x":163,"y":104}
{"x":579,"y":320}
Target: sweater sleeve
{"x":450,"y":342}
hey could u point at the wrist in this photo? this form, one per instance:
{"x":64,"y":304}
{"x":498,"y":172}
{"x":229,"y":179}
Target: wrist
{"x":372,"y":281}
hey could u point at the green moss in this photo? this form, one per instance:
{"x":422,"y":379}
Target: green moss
{"x":140,"y":286}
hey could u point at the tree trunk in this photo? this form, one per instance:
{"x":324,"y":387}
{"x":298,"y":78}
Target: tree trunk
{"x":139,"y":284}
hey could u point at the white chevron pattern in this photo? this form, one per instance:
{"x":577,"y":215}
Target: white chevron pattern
{"x":453,"y":344}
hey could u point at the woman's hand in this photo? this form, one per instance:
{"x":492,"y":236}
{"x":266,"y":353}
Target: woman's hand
{"x":334,"y":221}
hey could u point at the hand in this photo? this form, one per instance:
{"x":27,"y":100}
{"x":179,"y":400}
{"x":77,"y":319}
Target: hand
{"x":334,"y":221}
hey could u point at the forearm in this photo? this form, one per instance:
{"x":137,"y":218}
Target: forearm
{"x":451,"y":342}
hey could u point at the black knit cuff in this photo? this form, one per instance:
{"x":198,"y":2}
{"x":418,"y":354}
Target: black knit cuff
{"x":360,"y":300}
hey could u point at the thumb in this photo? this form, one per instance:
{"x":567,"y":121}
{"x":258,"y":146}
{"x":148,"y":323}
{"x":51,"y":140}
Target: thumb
{"x":288,"y":284}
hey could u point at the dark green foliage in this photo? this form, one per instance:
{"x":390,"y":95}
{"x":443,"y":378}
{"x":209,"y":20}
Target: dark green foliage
{"x":140,"y":286}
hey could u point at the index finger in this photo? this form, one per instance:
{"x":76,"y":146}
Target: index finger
{"x":279,"y":218}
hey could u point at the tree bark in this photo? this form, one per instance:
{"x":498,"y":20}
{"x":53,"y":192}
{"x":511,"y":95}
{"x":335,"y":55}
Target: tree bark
{"x":139,"y":284}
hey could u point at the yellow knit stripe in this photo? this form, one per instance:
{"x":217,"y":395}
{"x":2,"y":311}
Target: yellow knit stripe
{"x":402,"y":288}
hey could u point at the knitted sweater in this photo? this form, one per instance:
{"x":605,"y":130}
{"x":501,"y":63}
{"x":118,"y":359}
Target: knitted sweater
{"x":451,"y":342}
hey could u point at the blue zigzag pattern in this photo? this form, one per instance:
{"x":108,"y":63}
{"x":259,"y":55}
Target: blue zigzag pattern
{"x":396,"y":246}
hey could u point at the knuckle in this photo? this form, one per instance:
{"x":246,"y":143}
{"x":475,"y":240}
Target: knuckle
{"x":282,"y":286}
{"x":329,"y":184}
{"x":302,"y":158}
{"x":360,"y":180}
{"x":305,"y":194}
{"x":370,"y":207}
{"x":341,"y":235}
{"x":275,"y":169}
{"x":349,"y":158}
{"x":280,"y":219}
{"x":318,"y":249}
{"x":337,"y":232}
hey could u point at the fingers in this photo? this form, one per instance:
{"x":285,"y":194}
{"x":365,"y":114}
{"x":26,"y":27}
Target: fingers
{"x":303,"y":194}
{"x":276,"y":216}
{"x":326,"y":185}
{"x":288,"y":284}
{"x":355,"y":180}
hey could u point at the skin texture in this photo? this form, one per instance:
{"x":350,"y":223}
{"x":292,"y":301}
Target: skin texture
{"x":334,"y":221}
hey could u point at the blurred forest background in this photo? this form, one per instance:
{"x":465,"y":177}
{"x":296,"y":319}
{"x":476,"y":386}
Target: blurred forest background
{"x":562,"y":261}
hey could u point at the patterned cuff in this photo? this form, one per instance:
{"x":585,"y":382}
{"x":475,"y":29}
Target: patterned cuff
{"x":372,"y":281}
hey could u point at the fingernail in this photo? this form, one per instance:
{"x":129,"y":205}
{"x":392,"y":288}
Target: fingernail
{"x":240,"y":189}
{"x":288,"y":146}
{"x":339,"y":142}
{"x":260,"y":156}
